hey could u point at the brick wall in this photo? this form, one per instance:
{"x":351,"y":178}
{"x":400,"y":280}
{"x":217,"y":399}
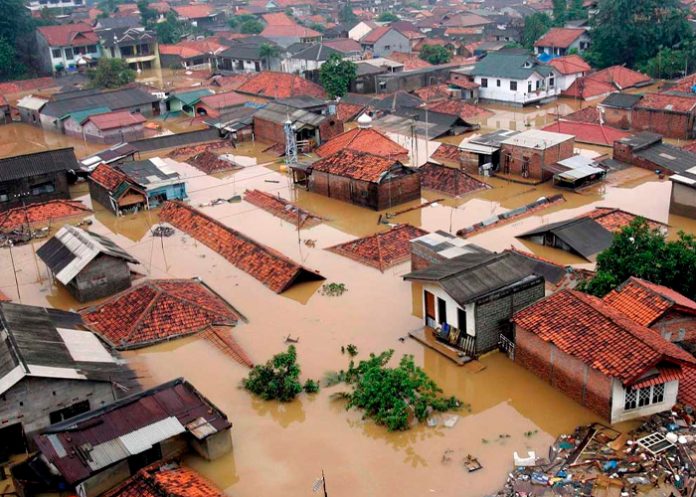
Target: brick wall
{"x":422,"y":257}
{"x":674,"y":322}
{"x":329,"y":128}
{"x":268,"y":131}
{"x":398,"y":191}
{"x":583,"y":384}
{"x":666,"y":123}
{"x":624,"y":153}
{"x":617,"y":118}
{"x":537,"y":158}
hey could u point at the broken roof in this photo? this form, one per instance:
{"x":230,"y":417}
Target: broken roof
{"x":279,"y":114}
{"x":381,"y":250}
{"x":108,"y":177}
{"x":156,"y":311}
{"x":670,"y":103}
{"x":470,"y":277}
{"x":150,"y":173}
{"x":605,"y":339}
{"x":72,"y":249}
{"x":173,"y":482}
{"x":270,"y":267}
{"x":127,"y":427}
{"x":282,"y":208}
{"x":363,"y":139}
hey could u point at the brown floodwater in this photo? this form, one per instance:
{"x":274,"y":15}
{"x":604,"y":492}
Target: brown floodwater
{"x":282,"y":448}
{"x":22,"y":138}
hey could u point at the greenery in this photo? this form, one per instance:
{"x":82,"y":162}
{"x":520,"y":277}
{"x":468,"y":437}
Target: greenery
{"x":17,"y":38}
{"x":333,"y":289}
{"x":670,"y":63}
{"x":311,"y":386}
{"x":268,"y":51}
{"x":251,"y":27}
{"x":171,"y":30}
{"x":278,"y":379}
{"x":111,"y":73}
{"x":535,"y":26}
{"x":632,"y":32}
{"x":317,"y":27}
{"x":9,"y":68}
{"x":236,"y":21}
{"x":351,"y":348}
{"x":392,"y":397}
{"x":347,"y":16}
{"x":435,"y":54}
{"x":147,"y":15}
{"x":560,"y":8}
{"x":576,"y":10}
{"x":336,"y":75}
{"x":645,"y":253}
{"x":387,"y":17}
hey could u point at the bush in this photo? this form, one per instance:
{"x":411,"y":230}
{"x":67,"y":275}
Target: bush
{"x":278,"y":379}
{"x":311,"y":386}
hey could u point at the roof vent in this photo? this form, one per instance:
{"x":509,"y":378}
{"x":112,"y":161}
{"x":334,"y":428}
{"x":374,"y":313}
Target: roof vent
{"x":365,"y":121}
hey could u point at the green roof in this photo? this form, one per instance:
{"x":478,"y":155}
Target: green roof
{"x":81,"y":115}
{"x":192,"y":97}
{"x":510,"y":66}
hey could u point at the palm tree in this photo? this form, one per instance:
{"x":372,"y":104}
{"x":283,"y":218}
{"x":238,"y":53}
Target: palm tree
{"x":267,"y":51}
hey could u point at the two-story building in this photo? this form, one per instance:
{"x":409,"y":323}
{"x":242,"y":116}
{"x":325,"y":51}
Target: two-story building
{"x":516,"y":78}
{"x":382,"y":41}
{"x":560,"y":41}
{"x":67,"y":47}
{"x":38,"y":5}
{"x":137,"y":46}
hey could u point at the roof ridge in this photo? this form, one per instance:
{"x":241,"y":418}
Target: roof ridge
{"x":188,"y":301}
{"x":138,"y":322}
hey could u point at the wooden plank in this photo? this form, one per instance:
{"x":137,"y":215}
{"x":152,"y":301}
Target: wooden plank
{"x":425,"y":336}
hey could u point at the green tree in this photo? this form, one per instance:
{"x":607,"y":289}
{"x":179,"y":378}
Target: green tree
{"x":278,"y":379}
{"x":171,"y":30}
{"x":632,"y":32}
{"x":252,"y":26}
{"x":148,"y":16}
{"x":387,"y":17}
{"x":560,"y":8}
{"x":236,"y":21}
{"x":637,"y":250}
{"x":347,"y":16}
{"x":535,"y":26}
{"x":268,"y":51}
{"x":336,"y":75}
{"x":576,"y":11}
{"x":668,"y":64}
{"x":317,"y":27}
{"x":435,"y":54}
{"x":9,"y":67}
{"x":111,"y":73}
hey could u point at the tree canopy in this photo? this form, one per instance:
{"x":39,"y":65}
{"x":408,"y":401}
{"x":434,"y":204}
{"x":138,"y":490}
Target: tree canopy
{"x":148,"y":15}
{"x":535,"y":26}
{"x":251,"y":27}
{"x":435,"y":54}
{"x":387,"y":17}
{"x":346,"y":15}
{"x":336,"y":75}
{"x":645,"y":253}
{"x":171,"y":30}
{"x":111,"y":73}
{"x":279,"y":378}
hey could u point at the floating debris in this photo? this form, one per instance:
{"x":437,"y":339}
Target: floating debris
{"x":333,"y":289}
{"x":163,"y":231}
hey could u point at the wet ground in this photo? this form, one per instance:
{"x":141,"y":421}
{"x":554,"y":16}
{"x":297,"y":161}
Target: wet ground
{"x":281,"y":449}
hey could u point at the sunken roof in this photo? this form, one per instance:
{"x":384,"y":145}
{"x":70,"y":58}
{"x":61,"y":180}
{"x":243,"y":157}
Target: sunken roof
{"x":584,"y":236}
{"x":38,"y":163}
{"x":88,"y":443}
{"x":621,"y":100}
{"x":270,"y":267}
{"x":156,"y":311}
{"x":41,"y":212}
{"x":107,"y":177}
{"x":282,"y":208}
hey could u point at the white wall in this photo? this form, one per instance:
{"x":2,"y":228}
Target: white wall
{"x":358,"y":31}
{"x":564,"y":81}
{"x":503,"y":92}
{"x":452,"y":308}
{"x":618,"y":414}
{"x":65,"y":61}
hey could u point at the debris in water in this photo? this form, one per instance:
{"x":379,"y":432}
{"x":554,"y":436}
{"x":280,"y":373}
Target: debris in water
{"x":471,"y":463}
{"x":271,"y":181}
{"x":310,"y":243}
{"x":447,"y":455}
{"x":163,"y":231}
{"x":290,"y":339}
{"x":451,"y":421}
{"x":333,"y":289}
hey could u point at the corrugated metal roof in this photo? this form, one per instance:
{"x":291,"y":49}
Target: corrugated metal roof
{"x":32,"y":103}
{"x":200,"y":428}
{"x":141,"y":440}
{"x":27,"y":165}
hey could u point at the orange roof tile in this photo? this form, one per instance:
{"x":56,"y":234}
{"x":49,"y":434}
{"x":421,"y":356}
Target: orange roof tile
{"x":345,"y":112}
{"x":268,"y":266}
{"x":282,"y":208}
{"x":69,"y":35}
{"x":586,"y":115}
{"x":224,"y":100}
{"x":367,"y":140}
{"x":194,"y":11}
{"x":107,"y":177}
{"x":570,"y":64}
{"x":621,"y":77}
{"x":433,"y":92}
{"x":614,"y":220}
{"x":448,"y":180}
{"x":27,"y":85}
{"x":177,"y":482}
{"x":114,"y":120}
{"x":374,"y":35}
{"x":41,"y":213}
{"x":356,"y":165}
{"x":460,"y":108}
{"x":672,"y":103}
{"x":605,"y":339}
{"x":209,"y":163}
{"x":278,"y":19}
{"x":411,"y":61}
{"x":595,"y":134}
{"x":559,"y":37}
{"x":293,"y":30}
{"x":271,"y":84}
{"x":158,"y":310}
{"x":587,"y":87}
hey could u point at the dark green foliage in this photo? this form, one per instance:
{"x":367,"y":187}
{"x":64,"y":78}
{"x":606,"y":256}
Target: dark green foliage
{"x":252,"y":26}
{"x":111,"y":73}
{"x":336,"y":75}
{"x":268,"y":51}
{"x":171,"y":30}
{"x":147,"y":15}
{"x":535,"y":26}
{"x":317,"y":27}
{"x":236,"y":21}
{"x":394,"y":396}
{"x":435,"y":54}
{"x":387,"y":17}
{"x":671,"y":63}
{"x":278,"y":379}
{"x":9,"y":67}
{"x":559,"y":12}
{"x":632,"y":32}
{"x":310,"y":386}
{"x":639,"y":251}
{"x":576,"y":10}
{"x":347,"y":16}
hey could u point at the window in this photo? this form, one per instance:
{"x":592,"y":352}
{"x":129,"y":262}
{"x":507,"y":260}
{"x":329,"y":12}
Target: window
{"x":461,"y":319}
{"x":497,"y":83}
{"x":4,"y":197}
{"x":68,"y":53}
{"x":441,"y":311}
{"x":42,"y":188}
{"x":513,"y":85}
{"x":429,"y":309}
{"x":69,"y":412}
{"x":387,"y":47}
{"x":630,"y":400}
{"x":529,"y":87}
{"x":538,"y":84}
{"x":643,"y":397}
{"x":484,"y":82}
{"x":658,"y":393}
{"x":56,"y":53}
{"x":552,"y":82}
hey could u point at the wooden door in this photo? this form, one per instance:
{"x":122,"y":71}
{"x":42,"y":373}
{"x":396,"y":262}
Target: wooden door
{"x":429,"y":307}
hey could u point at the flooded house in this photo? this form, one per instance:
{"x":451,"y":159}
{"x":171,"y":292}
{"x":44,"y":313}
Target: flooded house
{"x":363,"y":138}
{"x":570,"y":68}
{"x":649,"y":151}
{"x":117,"y":440}
{"x":50,"y":370}
{"x":89,"y":265}
{"x":363,"y":179}
{"x":29,"y":109}
{"x":113,"y":189}
{"x":67,"y":47}
{"x":683,"y":198}
{"x":170,"y":480}
{"x":186,"y":101}
{"x":466,"y":301}
{"x":113,"y":127}
{"x":617,"y":109}
{"x":311,"y":129}
{"x":560,"y":41}
{"x":156,"y":178}
{"x":632,"y":374}
{"x":214,"y":105}
{"x":36,"y":177}
{"x":529,"y":153}
{"x":673,"y":116}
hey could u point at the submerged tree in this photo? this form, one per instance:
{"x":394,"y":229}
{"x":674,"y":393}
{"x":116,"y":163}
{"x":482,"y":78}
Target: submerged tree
{"x":111,"y":73}
{"x":336,"y":75}
{"x":535,"y":26}
{"x":279,"y":378}
{"x":435,"y":54}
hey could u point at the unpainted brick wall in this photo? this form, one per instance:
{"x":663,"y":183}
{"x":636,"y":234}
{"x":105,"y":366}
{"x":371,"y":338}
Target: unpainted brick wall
{"x":669,"y":124}
{"x":674,"y":322}
{"x":537,"y":159}
{"x":398,"y":191}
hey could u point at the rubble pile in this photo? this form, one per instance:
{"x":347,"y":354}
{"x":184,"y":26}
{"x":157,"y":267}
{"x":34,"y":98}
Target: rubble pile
{"x":190,"y":150}
{"x":657,"y":458}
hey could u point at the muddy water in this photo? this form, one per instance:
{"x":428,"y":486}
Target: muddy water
{"x":21,"y":138}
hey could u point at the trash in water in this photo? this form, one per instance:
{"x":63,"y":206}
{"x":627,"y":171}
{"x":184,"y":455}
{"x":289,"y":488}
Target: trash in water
{"x":451,"y":421}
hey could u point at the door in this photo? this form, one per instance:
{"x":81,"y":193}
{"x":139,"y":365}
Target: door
{"x":441,"y":311}
{"x":429,"y":309}
{"x":13,"y":441}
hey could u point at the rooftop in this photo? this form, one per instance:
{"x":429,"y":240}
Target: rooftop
{"x":115,"y":120}
{"x":672,"y":103}
{"x":367,"y":140}
{"x":536,"y":138}
{"x":595,"y":134}
{"x":570,"y":64}
{"x":510,"y":64}
{"x":173,"y":482}
{"x":38,"y":163}
{"x":280,"y":85}
{"x":108,"y":177}
{"x":448,"y":180}
{"x":356,"y":165}
{"x":282,"y":208}
{"x":560,"y":37}
{"x":223,"y":100}
{"x":40,"y":213}
{"x":69,"y":35}
{"x":194,"y":11}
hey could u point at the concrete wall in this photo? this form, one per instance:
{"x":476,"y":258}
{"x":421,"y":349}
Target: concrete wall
{"x":392,"y":41}
{"x":118,"y":135}
{"x":619,"y":414}
{"x":617,"y":118}
{"x":104,"y":276}
{"x":683,"y":200}
{"x":667,"y":123}
{"x":213,"y":447}
{"x":537,"y":158}
{"x":19,"y":191}
{"x":522,"y":95}
{"x":268,"y":131}
{"x":624,"y":153}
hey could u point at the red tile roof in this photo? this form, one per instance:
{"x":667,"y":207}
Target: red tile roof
{"x":614,"y":220}
{"x":411,"y":61}
{"x":381,"y":250}
{"x":672,"y":103}
{"x":570,"y":64}
{"x":107,"y":177}
{"x":278,"y":19}
{"x":586,"y":115}
{"x":293,"y":30}
{"x":685,"y":84}
{"x":605,"y":339}
{"x":595,"y":134}
{"x":448,"y":152}
{"x":189,"y":150}
{"x":224,"y":100}
{"x":622,"y":77}
{"x":158,"y":310}
{"x":268,"y":266}
{"x":161,"y":7}
{"x":271,"y":84}
{"x":231,"y":82}
{"x":345,"y":112}
{"x":448,"y":180}
{"x":69,"y":35}
{"x":559,"y":37}
{"x":355,"y":165}
{"x":645,"y":302}
{"x":344,"y":45}
{"x":192,"y":48}
{"x":464,"y":110}
{"x":41,"y":213}
{"x":282,"y":208}
{"x":115,"y":120}
{"x":209,"y":163}
{"x":458,"y":31}
{"x":587,"y":87}
{"x":464,"y":83}
{"x":194,"y":11}
{"x":177,"y":482}
{"x":433,"y":92}
{"x":27,"y":85}
{"x":374,"y":35}
{"x":367,"y":140}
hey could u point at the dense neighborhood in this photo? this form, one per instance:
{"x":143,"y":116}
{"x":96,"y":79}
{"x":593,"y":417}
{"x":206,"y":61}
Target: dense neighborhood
{"x":365,"y":247}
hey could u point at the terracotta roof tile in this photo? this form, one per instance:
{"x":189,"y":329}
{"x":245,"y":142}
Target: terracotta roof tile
{"x":367,"y":140}
{"x":570,"y":64}
{"x":69,"y":35}
{"x":616,"y":219}
{"x":224,"y":100}
{"x":158,"y":310}
{"x":343,"y":45}
{"x":587,"y":87}
{"x":345,"y":112}
{"x":586,"y":115}
{"x":114,"y":120}
{"x":448,"y":180}
{"x":605,"y":339}
{"x":448,"y":152}
{"x":411,"y":61}
{"x":41,"y":213}
{"x":177,"y":482}
{"x":190,"y":150}
{"x":374,"y":35}
{"x":278,"y":19}
{"x":108,"y":177}
{"x":11,"y":87}
{"x":673,"y":103}
{"x":595,"y":134}
{"x":282,"y":208}
{"x":268,"y":266}
{"x":460,"y":108}
{"x":209,"y":163}
{"x":559,"y":37}
{"x":272,"y":84}
{"x":356,"y":165}
{"x":293,"y":30}
{"x":622,"y":77}
{"x":194,"y":11}
{"x":381,"y":250}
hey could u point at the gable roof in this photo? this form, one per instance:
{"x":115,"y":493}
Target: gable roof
{"x":671,"y":103}
{"x":316,"y":52}
{"x":356,"y":165}
{"x":560,"y":37}
{"x":116,"y":431}
{"x":410,"y":61}
{"x":593,"y":133}
{"x":367,"y":140}
{"x":469,"y":277}
{"x":191,"y":97}
{"x":605,"y":339}
{"x":271,"y":84}
{"x":194,"y":11}
{"x":115,"y":120}
{"x":584,"y":236}
{"x":223,"y":100}
{"x":41,"y":212}
{"x":158,"y":310}
{"x":343,"y":45}
{"x":570,"y":64}
{"x":646,"y":302}
{"x":278,"y":19}
{"x":71,"y":249}
{"x":511,"y":65}
{"x":69,"y":35}
{"x":122,"y":98}
{"x":460,"y":108}
{"x":289,"y":31}
{"x":37,"y":163}
{"x":375,"y":34}
{"x":172,"y":482}
{"x":108,"y":177}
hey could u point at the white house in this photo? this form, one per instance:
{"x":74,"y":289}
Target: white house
{"x":559,"y":41}
{"x":67,"y":47}
{"x":515,"y":78}
{"x":361,"y":29}
{"x":570,"y":68}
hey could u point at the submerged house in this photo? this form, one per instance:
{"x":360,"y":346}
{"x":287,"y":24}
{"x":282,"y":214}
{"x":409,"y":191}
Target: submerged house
{"x":683,"y":199}
{"x":360,"y":178}
{"x":157,"y":179}
{"x":529,"y":153}
{"x":96,"y":451}
{"x":51,"y":370}
{"x":89,"y":265}
{"x":114,"y":190}
{"x":467,"y":301}
{"x":311,"y":129}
